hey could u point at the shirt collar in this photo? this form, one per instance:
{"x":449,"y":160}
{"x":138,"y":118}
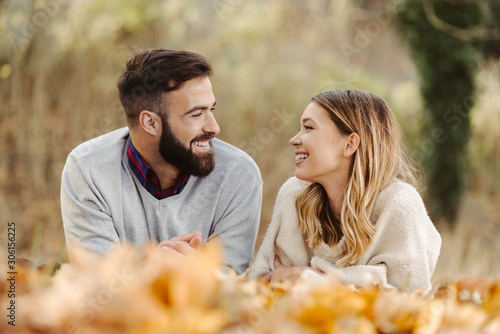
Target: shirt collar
{"x":147,"y":176}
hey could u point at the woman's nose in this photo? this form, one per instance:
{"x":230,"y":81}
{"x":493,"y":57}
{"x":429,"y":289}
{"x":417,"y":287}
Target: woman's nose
{"x":295,"y":140}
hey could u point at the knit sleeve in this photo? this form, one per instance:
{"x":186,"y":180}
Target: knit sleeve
{"x":405,"y":248}
{"x":86,"y":216}
{"x":283,"y":236}
{"x":237,"y":227}
{"x":359,"y":275}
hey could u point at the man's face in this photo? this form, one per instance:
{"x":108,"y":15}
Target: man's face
{"x":189,"y":127}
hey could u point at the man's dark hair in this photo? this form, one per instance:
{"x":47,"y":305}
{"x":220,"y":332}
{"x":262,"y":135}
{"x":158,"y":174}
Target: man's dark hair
{"x":150,"y":73}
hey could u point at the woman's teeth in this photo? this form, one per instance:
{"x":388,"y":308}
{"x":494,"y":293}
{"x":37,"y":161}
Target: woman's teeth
{"x":301,"y":157}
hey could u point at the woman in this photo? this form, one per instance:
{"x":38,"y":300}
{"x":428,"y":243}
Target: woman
{"x":350,"y":210}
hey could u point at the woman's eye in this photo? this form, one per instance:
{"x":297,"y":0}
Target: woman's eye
{"x":307,"y":127}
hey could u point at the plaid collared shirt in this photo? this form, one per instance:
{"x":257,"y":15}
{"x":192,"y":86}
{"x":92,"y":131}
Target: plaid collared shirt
{"x":147,"y":176}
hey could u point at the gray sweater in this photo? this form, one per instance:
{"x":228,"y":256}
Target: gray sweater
{"x":103,"y":203}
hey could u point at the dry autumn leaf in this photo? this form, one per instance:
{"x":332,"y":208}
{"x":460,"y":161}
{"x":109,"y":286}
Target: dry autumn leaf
{"x":119,"y":293}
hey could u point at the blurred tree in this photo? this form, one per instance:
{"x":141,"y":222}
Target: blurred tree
{"x":442,"y":36}
{"x":492,"y":46}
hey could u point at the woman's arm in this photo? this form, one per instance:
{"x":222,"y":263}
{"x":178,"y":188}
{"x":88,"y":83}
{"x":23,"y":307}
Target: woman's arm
{"x":283,"y":237}
{"x":282,"y":272}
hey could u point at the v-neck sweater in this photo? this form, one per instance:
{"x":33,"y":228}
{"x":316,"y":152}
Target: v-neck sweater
{"x":104,"y":204}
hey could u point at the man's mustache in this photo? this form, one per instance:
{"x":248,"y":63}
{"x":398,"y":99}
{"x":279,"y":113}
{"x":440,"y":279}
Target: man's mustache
{"x":205,"y":136}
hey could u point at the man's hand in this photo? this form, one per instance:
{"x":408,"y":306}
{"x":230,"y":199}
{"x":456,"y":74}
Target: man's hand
{"x":281,"y":272}
{"x":182,"y":245}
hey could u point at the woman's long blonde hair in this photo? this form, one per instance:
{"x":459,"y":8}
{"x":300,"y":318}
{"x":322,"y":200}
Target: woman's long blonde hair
{"x":380,"y":157}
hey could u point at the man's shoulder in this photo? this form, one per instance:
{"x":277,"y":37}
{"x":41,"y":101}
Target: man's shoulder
{"x":102,"y":149}
{"x":228,"y":156}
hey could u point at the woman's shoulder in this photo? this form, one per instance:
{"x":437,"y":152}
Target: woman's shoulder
{"x":293,"y":184}
{"x":400,"y":210}
{"x":292,"y":188}
{"x":400,"y":193}
{"x":400,"y":199}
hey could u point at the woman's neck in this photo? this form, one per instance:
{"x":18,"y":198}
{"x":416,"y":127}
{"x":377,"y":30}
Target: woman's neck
{"x":335,"y":190}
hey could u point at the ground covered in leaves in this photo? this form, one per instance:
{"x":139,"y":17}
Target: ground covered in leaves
{"x":148,"y":293}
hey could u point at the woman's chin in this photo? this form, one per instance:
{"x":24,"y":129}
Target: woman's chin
{"x":301,"y":176}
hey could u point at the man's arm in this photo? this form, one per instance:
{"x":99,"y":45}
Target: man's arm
{"x":86,"y":216}
{"x":240,"y":207}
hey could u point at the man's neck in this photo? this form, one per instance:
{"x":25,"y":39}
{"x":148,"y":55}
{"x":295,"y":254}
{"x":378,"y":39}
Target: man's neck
{"x":167,"y":173}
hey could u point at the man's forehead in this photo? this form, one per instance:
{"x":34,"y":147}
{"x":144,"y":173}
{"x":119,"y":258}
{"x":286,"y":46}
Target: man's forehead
{"x":195,"y":92}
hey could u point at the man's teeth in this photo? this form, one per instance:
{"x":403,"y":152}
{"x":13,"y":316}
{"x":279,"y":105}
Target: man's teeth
{"x":301,"y":156}
{"x":201,"y":143}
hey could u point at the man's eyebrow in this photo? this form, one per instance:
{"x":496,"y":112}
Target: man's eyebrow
{"x":200,"y":107}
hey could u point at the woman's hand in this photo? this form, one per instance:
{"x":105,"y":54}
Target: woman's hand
{"x":281,"y":272}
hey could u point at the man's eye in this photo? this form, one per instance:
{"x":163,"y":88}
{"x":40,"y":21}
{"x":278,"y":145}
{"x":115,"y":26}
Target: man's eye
{"x":197,"y":115}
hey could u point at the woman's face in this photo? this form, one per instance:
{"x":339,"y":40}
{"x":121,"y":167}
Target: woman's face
{"x":319,"y":147}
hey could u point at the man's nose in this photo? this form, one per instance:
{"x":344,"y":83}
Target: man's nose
{"x":211,"y":125}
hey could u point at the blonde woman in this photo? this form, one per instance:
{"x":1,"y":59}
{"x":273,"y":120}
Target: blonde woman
{"x":351,"y":208}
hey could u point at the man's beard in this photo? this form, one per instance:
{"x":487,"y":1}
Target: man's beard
{"x":176,"y":154}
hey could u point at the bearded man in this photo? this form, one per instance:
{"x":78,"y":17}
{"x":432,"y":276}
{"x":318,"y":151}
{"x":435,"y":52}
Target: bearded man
{"x":164,"y":178}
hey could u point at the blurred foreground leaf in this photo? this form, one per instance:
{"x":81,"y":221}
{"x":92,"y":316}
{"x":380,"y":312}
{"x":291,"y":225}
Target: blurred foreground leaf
{"x":143,"y":292}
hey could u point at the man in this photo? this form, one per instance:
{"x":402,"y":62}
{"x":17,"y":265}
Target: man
{"x":163,"y":178}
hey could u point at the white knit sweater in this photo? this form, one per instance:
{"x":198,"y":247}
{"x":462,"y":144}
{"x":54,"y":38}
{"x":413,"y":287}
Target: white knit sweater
{"x":403,"y":252}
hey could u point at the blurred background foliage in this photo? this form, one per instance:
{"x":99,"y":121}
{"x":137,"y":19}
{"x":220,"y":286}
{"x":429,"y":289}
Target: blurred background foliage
{"x":59,"y":62}
{"x":439,"y":36}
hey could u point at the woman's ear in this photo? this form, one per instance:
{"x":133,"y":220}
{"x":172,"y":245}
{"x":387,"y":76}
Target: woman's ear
{"x":352,"y":145}
{"x":150,"y":122}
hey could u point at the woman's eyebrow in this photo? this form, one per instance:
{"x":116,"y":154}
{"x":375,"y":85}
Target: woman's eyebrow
{"x":307,"y":119}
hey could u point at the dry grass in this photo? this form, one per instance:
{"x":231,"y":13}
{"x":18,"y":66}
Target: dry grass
{"x":471,"y":248}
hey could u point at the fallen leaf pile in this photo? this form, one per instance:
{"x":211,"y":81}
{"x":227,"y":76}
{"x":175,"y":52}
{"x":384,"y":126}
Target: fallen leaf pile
{"x":125,"y":292}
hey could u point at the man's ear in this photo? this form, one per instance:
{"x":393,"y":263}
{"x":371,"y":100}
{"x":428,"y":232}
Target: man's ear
{"x":150,"y":122}
{"x":352,"y":145}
